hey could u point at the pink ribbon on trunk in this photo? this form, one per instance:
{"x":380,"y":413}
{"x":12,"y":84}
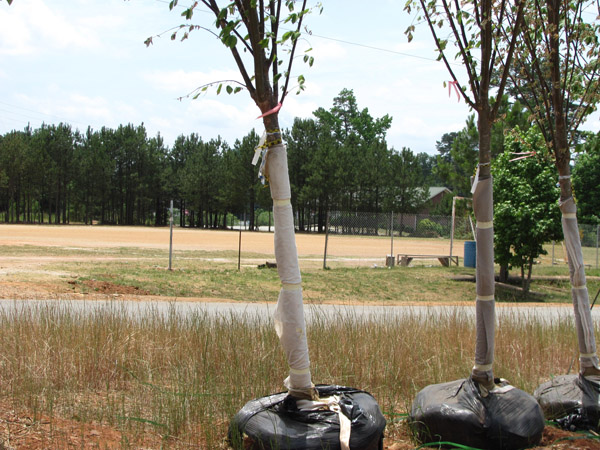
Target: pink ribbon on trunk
{"x":271,"y":111}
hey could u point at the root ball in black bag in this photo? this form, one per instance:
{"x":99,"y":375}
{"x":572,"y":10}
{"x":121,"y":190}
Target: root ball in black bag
{"x":506,"y":419}
{"x":276,"y":422}
{"x":571,"y":400}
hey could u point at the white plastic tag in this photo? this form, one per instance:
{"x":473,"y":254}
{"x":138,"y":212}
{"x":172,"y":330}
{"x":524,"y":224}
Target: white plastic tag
{"x":475,"y":180}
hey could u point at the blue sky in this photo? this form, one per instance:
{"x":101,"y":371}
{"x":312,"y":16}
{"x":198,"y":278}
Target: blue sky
{"x":84,"y":62}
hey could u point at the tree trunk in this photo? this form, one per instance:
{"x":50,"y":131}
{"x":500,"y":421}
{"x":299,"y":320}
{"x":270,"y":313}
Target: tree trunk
{"x":483,"y":201}
{"x":527,"y":279}
{"x":588,"y":359}
{"x":289,"y":314}
{"x":504,"y":272}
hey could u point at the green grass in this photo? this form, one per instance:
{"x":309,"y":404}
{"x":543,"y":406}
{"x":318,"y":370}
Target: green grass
{"x":215,"y":275}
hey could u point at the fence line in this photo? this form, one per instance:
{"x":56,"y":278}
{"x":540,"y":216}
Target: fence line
{"x":430,"y":226}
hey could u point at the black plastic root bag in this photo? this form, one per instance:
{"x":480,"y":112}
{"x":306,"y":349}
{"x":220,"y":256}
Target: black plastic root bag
{"x":507,"y":418}
{"x":274,"y":422}
{"x":572,"y":401}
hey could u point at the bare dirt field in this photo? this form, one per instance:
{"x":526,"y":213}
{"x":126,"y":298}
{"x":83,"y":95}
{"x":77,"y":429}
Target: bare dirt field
{"x":207,"y":240}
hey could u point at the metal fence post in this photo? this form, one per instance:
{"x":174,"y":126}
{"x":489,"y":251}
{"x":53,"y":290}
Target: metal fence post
{"x":597,"y":238}
{"x":392,"y":233}
{"x":171,"y":236}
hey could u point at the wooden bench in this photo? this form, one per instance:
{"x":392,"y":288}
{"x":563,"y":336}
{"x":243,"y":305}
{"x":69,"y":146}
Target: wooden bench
{"x":445,"y":260}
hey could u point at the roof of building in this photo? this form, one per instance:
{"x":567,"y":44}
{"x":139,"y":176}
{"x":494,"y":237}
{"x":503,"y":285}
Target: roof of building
{"x":436,"y":190}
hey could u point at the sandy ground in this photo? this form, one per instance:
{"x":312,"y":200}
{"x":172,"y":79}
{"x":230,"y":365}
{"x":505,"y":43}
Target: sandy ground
{"x":193,"y":239}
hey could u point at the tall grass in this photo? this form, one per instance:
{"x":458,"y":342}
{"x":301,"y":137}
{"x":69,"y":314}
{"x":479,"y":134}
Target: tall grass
{"x":182,"y":376}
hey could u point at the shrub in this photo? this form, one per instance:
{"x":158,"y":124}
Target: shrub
{"x":429,"y":228}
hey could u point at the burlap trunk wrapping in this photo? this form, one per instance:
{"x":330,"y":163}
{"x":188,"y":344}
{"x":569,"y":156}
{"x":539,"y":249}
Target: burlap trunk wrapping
{"x":485,"y":305}
{"x":579,"y":292}
{"x":289,"y":314}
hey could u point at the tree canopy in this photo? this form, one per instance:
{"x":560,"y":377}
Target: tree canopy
{"x":525,"y":210}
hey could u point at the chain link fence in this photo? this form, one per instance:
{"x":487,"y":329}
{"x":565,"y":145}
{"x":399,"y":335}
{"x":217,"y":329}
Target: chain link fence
{"x":383,"y":224}
{"x":429,"y":226}
{"x":590,"y":240}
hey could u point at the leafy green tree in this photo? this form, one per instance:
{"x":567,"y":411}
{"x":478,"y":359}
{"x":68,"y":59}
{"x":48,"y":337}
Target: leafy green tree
{"x":307,"y":166}
{"x":525,"y":211}
{"x":427,"y":163}
{"x":240,"y":185}
{"x":586,"y":180}
{"x":356,"y":152}
{"x":179,"y":157}
{"x":12,"y":155}
{"x":408,"y":191}
{"x":456,"y":164}
{"x":201,"y":179}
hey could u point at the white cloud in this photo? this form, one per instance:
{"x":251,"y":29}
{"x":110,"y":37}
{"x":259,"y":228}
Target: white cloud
{"x":35,"y":26}
{"x":326,"y":51}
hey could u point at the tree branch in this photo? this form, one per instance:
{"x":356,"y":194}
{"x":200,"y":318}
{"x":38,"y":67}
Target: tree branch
{"x":507,"y":63}
{"x":465,"y":53}
{"x":443,"y":55}
{"x":294,"y":45}
{"x":212,"y":5}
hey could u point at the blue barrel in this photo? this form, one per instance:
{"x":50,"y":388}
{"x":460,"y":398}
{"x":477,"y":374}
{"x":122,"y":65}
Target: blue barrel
{"x":470,"y":253}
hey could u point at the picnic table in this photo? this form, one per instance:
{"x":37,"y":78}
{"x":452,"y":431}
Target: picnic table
{"x":445,"y":260}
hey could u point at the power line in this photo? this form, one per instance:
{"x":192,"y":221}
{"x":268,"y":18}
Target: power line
{"x":62,"y":119}
{"x":343,"y":41}
{"x":371,"y":47}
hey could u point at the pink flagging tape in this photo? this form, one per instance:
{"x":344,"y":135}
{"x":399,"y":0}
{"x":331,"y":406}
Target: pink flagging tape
{"x":455,"y":84}
{"x":527,"y":155}
{"x":271,"y":111}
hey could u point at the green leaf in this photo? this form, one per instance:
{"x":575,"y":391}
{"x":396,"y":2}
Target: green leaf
{"x":173,"y":4}
{"x":230,"y":40}
{"x":219,"y":88}
{"x":229,"y":89}
{"x":237,"y":89}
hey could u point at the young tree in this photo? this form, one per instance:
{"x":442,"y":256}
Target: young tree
{"x":251,"y":31}
{"x":471,"y":26}
{"x":525,"y":211}
{"x":557,"y":76}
